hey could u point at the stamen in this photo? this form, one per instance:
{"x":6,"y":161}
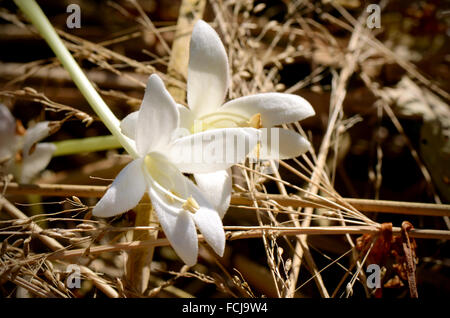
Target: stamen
{"x":191,"y":205}
{"x":255,"y":121}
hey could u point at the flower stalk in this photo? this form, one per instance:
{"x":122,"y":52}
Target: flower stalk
{"x":89,"y":144}
{"x":37,"y":17}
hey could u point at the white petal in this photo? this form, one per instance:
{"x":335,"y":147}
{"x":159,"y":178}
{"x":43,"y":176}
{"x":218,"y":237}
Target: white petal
{"x":186,"y":117}
{"x":36,"y":162}
{"x":216,"y":187}
{"x":275,"y":108}
{"x":124,"y":193}
{"x":210,"y":225}
{"x":213,"y":150}
{"x":207,"y":70}
{"x":128,"y":125}
{"x":157,"y":119}
{"x":168,"y":209}
{"x":279,"y":143}
{"x":178,"y":226}
{"x":7,"y":133}
{"x":164,"y":172}
{"x":34,"y":135}
{"x":207,"y":220}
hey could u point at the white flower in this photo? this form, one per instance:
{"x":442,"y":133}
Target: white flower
{"x":207,"y":84}
{"x":33,"y":156}
{"x":179,"y":204}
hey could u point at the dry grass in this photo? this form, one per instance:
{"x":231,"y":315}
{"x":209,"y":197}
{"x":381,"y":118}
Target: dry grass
{"x":290,"y":233}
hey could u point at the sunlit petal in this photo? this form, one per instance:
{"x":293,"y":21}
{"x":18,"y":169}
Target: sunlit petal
{"x":186,"y":117}
{"x":216,"y":187}
{"x":208,"y":221}
{"x":207,"y":70}
{"x":128,"y":125}
{"x":213,"y":150}
{"x":274,"y":108}
{"x":211,"y":227}
{"x":125,"y":192}
{"x":279,"y":143}
{"x":178,"y":226}
{"x":205,"y":216}
{"x":157,"y":118}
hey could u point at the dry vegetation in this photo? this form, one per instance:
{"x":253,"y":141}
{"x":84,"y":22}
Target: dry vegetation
{"x":381,"y":132}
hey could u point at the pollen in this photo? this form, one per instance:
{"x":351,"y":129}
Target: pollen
{"x":255,"y":121}
{"x":191,"y":205}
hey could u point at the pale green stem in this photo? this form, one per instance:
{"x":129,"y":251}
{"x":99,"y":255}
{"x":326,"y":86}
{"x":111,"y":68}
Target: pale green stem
{"x":34,"y":13}
{"x":89,"y":144}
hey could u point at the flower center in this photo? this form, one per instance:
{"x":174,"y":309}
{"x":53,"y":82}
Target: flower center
{"x":161,"y":172}
{"x":219,"y":119}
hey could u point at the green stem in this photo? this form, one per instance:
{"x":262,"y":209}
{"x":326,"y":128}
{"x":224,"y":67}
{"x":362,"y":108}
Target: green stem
{"x":89,"y":144}
{"x":43,"y":25}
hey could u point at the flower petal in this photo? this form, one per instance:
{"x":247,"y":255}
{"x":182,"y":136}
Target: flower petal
{"x":275,"y":108}
{"x":186,"y":117}
{"x":36,"y":162}
{"x":157,"y":118}
{"x":128,"y":125}
{"x":216,"y":187}
{"x":35,"y":134}
{"x":279,"y":143}
{"x":207,"y":220}
{"x":7,"y":122}
{"x":125,"y":192}
{"x":210,"y":225}
{"x":212,"y":150}
{"x":168,"y":209}
{"x":7,"y":133}
{"x":207,"y":70}
{"x":178,"y":226}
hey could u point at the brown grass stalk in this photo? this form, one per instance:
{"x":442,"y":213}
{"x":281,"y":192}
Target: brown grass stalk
{"x":365,"y":205}
{"x":249,"y":232}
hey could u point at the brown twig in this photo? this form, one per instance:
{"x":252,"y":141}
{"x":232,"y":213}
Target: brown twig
{"x":252,"y":232}
{"x":366,"y":205}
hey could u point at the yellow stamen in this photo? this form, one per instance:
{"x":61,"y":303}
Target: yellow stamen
{"x":255,"y":121}
{"x":191,"y":205}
